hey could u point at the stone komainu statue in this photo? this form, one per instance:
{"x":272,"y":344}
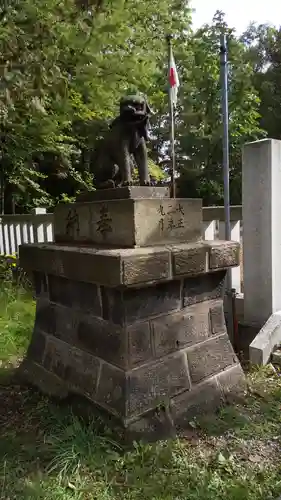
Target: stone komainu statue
{"x":124,"y":144}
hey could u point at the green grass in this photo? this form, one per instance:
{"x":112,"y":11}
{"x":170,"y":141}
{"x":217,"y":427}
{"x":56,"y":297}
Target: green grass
{"x":16,"y":320}
{"x":47,"y":453}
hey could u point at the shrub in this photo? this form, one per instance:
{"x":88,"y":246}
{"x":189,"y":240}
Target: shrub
{"x":11,"y":272}
{"x":7,"y":265}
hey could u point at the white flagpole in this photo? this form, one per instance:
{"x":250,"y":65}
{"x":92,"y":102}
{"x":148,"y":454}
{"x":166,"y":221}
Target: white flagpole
{"x":172,"y":123}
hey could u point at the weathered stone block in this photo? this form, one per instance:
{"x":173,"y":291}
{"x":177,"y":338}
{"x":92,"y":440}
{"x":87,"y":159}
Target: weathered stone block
{"x":152,"y":385}
{"x":210,"y":357}
{"x":77,"y":368}
{"x":224,"y":254}
{"x":40,"y":284}
{"x":147,"y":268}
{"x":41,"y":258}
{"x":129,"y":223}
{"x":177,"y":330}
{"x":190,"y":259}
{"x":103,"y":339}
{"x":205,"y":287}
{"x":217,"y":318}
{"x":139,"y":343}
{"x":123,"y":346}
{"x":59,"y":321}
{"x":112,"y":389}
{"x":37,"y":346}
{"x":84,"y":264}
{"x":144,"y":302}
{"x":44,"y":380}
{"x":132,"y":305}
{"x":85,"y":296}
{"x":167,"y":221}
{"x":45,"y":317}
{"x":67,"y":321}
{"x":113,"y":305}
{"x":205,"y":398}
{"x":153,"y":425}
{"x":232,"y":382}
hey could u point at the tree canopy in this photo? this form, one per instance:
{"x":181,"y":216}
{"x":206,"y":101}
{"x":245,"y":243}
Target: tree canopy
{"x":200,"y":127}
{"x":64,"y":65}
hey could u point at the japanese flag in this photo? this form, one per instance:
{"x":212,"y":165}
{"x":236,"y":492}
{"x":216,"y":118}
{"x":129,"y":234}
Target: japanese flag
{"x":173,"y":80}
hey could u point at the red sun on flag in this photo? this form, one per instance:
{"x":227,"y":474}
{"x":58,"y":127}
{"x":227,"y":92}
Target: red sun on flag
{"x":173,"y":80}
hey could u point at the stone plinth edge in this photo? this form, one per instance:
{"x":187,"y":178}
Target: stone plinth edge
{"x":124,"y":193}
{"x":268,"y":338}
{"x":129,"y":267}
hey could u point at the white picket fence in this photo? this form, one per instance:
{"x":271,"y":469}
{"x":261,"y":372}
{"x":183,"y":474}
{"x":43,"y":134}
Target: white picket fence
{"x":214,"y":228}
{"x":38,"y":228}
{"x":18,"y":229}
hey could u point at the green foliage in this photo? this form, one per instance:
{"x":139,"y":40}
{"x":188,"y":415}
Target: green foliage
{"x":64,"y":64}
{"x":48,"y":453}
{"x":263,"y":43}
{"x":199,"y":124}
{"x":16,"y":319}
{"x":8,"y":268}
{"x":11,"y":273}
{"x":155,"y":171}
{"x":63,"y":70}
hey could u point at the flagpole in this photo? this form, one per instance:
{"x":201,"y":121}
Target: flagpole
{"x":225,"y":136}
{"x":172,"y":122}
{"x":230,"y":292}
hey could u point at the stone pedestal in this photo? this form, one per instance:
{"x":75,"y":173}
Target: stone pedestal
{"x":261,"y":230}
{"x":129,"y":222}
{"x":140,"y":331}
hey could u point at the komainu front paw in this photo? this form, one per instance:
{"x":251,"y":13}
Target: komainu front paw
{"x":107,"y":184}
{"x":127,"y":183}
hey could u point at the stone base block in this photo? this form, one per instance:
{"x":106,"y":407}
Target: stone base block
{"x":151,"y":357}
{"x":165,"y":420}
{"x":137,"y":332}
{"x":129,"y":222}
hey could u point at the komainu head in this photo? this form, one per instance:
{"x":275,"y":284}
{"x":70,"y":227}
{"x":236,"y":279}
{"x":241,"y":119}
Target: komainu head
{"x":134,"y":106}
